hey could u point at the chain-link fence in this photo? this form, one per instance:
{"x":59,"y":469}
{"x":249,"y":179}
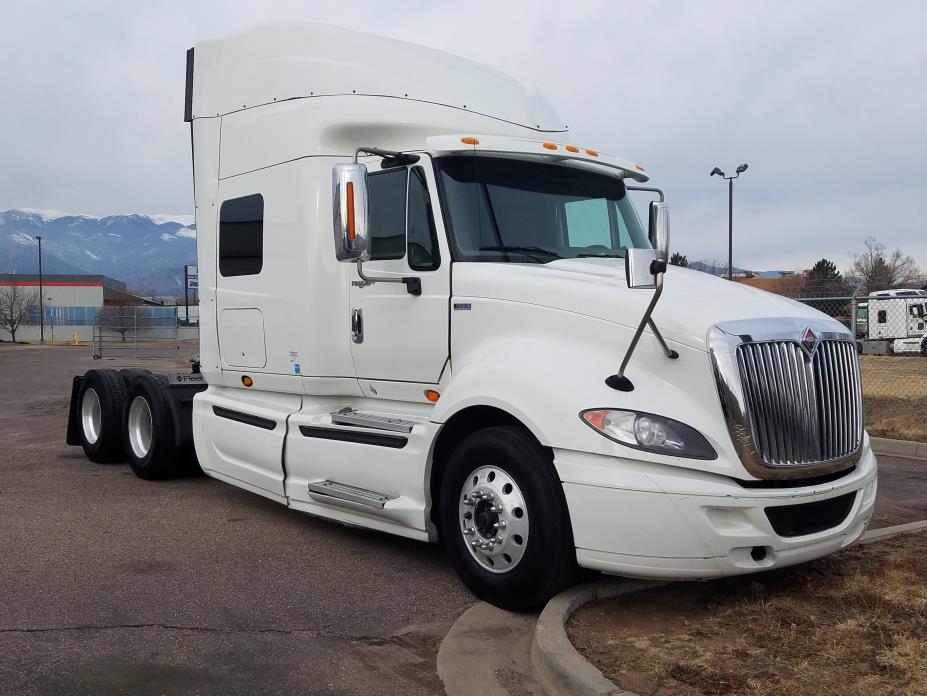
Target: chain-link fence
{"x":143,"y":332}
{"x":891,"y":336}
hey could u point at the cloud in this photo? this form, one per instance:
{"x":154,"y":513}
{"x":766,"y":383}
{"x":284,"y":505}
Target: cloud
{"x":824,"y":100}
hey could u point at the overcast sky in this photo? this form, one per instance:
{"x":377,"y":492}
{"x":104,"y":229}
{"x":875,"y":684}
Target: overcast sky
{"x":826,"y":101}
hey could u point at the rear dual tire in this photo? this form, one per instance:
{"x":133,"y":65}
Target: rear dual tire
{"x":101,"y":401}
{"x":504,"y":519}
{"x":148,"y":425}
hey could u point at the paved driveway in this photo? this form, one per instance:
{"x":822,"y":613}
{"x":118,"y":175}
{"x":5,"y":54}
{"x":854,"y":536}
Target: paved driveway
{"x":111,"y":584}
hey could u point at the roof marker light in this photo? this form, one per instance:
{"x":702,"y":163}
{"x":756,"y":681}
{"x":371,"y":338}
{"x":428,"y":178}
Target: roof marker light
{"x":592,"y":153}
{"x":549,"y":146}
{"x":571,"y":148}
{"x":640,"y":167}
{"x":469,"y":141}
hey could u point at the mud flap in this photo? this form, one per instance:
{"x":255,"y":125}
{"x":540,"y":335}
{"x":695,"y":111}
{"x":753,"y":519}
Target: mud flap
{"x":73,"y":436}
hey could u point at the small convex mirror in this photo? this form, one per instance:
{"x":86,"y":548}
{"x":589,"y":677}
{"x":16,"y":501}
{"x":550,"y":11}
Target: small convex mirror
{"x":350,"y":212}
{"x":641,"y":266}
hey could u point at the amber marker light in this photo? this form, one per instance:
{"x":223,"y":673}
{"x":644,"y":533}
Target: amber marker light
{"x":592,"y":153}
{"x":470,"y":141}
{"x":595,"y":418}
{"x":571,"y":148}
{"x":549,"y":146}
{"x":352,"y":233}
{"x":432,"y":395}
{"x":246,"y":380}
{"x":640,"y":167}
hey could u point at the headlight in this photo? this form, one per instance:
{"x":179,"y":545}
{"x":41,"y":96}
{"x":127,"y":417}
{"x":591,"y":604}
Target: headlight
{"x":649,"y":432}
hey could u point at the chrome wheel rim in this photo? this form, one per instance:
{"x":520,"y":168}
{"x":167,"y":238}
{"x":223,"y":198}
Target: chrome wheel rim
{"x":91,"y":416}
{"x":493,"y":519}
{"x":140,"y":427}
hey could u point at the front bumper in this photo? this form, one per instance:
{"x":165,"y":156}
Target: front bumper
{"x":643,"y":520}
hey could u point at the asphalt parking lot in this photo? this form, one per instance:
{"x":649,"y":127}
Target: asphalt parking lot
{"x":110,"y":584}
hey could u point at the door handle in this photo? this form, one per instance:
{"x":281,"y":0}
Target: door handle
{"x":357,"y":325}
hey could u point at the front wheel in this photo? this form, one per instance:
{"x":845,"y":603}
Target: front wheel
{"x":504,"y":520}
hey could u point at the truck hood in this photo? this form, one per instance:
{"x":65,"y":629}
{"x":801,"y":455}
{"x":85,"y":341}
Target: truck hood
{"x":691,"y":303}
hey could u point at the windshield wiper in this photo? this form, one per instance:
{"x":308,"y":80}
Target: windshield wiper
{"x":600,"y":256}
{"x":527,"y":250}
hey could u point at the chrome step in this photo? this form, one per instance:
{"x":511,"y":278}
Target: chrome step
{"x":326,"y":490}
{"x":348,"y":416}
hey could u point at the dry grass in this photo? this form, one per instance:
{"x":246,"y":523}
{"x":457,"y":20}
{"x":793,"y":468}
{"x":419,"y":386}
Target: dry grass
{"x":854,"y":624}
{"x":895,"y":396}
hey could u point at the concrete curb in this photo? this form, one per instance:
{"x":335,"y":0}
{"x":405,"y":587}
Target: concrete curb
{"x":563,"y":671}
{"x":890,"y":532}
{"x":899,"y":448}
{"x":557,"y":664}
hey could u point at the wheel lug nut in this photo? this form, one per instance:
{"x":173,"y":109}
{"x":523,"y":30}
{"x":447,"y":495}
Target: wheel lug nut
{"x":469,"y":531}
{"x":499,"y":525}
{"x":497,"y":539}
{"x":496,"y":508}
{"x":468,"y":501}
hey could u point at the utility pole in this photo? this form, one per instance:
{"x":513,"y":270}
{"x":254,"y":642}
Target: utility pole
{"x":730,"y":214}
{"x":41,"y":296}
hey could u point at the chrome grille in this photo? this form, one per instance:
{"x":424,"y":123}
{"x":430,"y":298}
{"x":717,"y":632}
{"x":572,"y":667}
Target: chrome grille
{"x":801,"y":408}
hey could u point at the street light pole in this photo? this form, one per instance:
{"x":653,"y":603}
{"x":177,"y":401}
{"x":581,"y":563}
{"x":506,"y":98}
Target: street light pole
{"x":730,"y":229}
{"x":730,"y":213}
{"x":41,"y":296}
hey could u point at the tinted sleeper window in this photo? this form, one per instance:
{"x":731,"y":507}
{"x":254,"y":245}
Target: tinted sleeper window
{"x":241,"y":236}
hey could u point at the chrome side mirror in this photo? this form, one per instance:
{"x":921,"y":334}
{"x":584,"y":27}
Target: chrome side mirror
{"x":644,"y":268}
{"x":350,"y":211}
{"x":659,"y":228}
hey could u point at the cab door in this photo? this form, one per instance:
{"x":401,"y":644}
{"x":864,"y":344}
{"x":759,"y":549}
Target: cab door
{"x":397,"y":335}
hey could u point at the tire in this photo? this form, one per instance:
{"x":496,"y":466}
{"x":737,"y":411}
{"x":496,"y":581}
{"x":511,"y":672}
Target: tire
{"x":148,"y":429}
{"x":99,"y":415}
{"x":536,"y":556}
{"x":130,"y":373}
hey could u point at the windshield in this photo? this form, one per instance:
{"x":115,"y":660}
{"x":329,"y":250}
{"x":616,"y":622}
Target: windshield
{"x":502,"y":209}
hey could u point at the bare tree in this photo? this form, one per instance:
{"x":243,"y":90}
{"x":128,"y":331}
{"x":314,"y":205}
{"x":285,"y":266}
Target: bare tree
{"x":122,"y":319}
{"x":18,"y":305}
{"x":715,"y":266}
{"x":881,"y":271}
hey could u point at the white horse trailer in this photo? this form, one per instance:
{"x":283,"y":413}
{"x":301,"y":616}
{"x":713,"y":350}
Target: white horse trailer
{"x":429,"y":309}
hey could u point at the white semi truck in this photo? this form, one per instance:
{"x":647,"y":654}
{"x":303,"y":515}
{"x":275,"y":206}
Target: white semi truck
{"x":427,"y":309}
{"x":896,"y":323}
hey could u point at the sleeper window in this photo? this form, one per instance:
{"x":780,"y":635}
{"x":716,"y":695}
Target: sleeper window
{"x":241,"y":236}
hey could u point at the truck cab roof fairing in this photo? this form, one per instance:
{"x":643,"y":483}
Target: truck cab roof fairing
{"x":282,"y":61}
{"x":506,"y":145}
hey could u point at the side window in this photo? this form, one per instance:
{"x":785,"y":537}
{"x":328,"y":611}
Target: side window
{"x":386,"y":195}
{"x":881,"y":316}
{"x":241,"y":236}
{"x":587,"y":223}
{"x":422,"y":238}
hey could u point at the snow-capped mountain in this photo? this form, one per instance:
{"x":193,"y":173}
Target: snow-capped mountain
{"x":147,"y":252}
